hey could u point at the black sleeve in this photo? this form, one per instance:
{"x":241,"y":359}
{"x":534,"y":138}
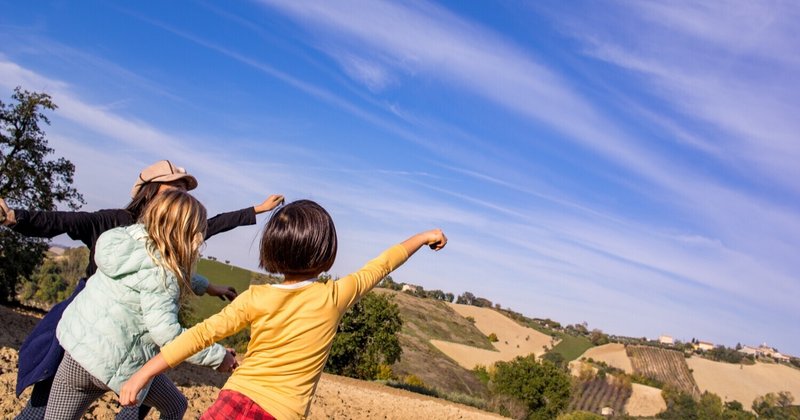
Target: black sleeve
{"x":47,"y":224}
{"x":79,"y":225}
{"x":224,"y":222}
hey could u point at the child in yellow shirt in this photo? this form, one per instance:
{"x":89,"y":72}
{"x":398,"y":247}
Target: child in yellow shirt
{"x":292,"y":323}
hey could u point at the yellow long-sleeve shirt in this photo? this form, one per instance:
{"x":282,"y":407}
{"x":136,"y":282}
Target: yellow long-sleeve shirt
{"x":291,"y":335}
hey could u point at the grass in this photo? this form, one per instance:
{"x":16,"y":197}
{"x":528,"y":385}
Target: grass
{"x":571,"y":347}
{"x":222,"y":274}
{"x":433,"y":319}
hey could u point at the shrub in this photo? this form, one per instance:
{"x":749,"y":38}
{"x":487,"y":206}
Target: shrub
{"x":493,"y":338}
{"x":413,"y":380}
{"x":481,"y":373}
{"x":542,"y":387}
{"x":384,"y":372}
{"x":367,"y":338}
{"x":580,"y":415}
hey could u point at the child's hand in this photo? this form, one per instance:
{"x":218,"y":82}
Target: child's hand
{"x":229,"y":363}
{"x":222,"y":292}
{"x":132,"y":388}
{"x":6,"y":214}
{"x":435,"y":239}
{"x":270,"y":203}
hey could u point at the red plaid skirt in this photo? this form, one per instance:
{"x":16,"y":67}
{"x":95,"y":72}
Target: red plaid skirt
{"x":232,"y":405}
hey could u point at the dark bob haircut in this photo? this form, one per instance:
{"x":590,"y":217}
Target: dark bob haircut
{"x":299,"y":239}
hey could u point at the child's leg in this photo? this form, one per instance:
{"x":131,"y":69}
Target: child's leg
{"x":164,"y":396}
{"x":74,"y":389}
{"x":37,"y":403}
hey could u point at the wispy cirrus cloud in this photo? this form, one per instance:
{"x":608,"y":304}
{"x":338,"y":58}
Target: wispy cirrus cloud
{"x":731,"y":66}
{"x":431,"y":40}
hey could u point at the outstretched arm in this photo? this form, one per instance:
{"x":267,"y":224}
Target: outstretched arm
{"x":224,"y":222}
{"x":270,"y":203}
{"x":130,"y":391}
{"x":354,"y":286}
{"x":435,"y":239}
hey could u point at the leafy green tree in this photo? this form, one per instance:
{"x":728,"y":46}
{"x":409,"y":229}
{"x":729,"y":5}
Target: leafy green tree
{"x":680,"y":405}
{"x":466,"y":298}
{"x":555,"y":358}
{"x":367,"y":338}
{"x":598,"y":337}
{"x":776,"y":406}
{"x":709,"y":407}
{"x":28,"y":179}
{"x":542,"y":386}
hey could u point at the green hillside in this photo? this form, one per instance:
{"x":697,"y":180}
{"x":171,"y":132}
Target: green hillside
{"x":571,"y":347}
{"x":224,"y":274}
{"x":426,"y":319}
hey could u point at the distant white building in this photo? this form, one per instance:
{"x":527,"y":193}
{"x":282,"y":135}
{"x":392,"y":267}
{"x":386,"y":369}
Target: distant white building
{"x":666,"y":339}
{"x":780,"y":357}
{"x":410,"y":287}
{"x":607,"y":411}
{"x":703,"y":345}
{"x":750,"y":351}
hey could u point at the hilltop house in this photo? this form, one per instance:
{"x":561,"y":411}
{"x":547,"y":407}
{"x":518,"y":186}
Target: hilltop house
{"x":703,"y":345}
{"x":410,"y":288}
{"x":780,"y":357}
{"x":765,"y":351}
{"x":750,"y":351}
{"x":666,"y":339}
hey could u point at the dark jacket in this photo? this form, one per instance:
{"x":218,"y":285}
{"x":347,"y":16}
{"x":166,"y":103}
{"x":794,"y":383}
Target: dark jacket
{"x":88,"y":226}
{"x":41,"y":354}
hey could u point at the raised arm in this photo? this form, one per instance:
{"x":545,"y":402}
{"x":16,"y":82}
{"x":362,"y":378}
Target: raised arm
{"x":435,"y":239}
{"x":224,"y":222}
{"x":352,"y":287}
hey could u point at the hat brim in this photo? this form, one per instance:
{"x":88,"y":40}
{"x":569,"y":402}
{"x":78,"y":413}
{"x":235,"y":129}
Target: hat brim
{"x":191,"y":182}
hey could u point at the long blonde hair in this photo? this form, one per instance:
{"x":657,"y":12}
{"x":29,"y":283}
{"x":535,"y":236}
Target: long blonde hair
{"x":176,"y":224}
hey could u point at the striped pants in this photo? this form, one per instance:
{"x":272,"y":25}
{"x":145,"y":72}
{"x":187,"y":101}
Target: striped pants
{"x":75,"y":389}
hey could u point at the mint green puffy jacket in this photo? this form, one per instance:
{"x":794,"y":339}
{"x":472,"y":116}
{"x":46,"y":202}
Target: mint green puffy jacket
{"x":128,"y":310}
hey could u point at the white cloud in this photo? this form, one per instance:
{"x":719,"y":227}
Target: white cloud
{"x":367,"y":72}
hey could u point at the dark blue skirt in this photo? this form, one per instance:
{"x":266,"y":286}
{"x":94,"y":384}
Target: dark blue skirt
{"x":41,"y":353}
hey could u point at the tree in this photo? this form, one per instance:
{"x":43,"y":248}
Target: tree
{"x":367,"y":338}
{"x":466,"y":298}
{"x":55,"y":279}
{"x":598,"y":337}
{"x":542,"y":386}
{"x":776,"y":406}
{"x":28,"y":179}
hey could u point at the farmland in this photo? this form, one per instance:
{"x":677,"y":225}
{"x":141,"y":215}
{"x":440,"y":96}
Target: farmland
{"x":596,"y":393}
{"x":665,"y":366}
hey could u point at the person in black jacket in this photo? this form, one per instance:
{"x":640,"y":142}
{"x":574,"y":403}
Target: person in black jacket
{"x":40,"y":354}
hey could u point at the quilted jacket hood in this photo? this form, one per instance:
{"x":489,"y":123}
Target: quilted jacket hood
{"x":123,"y":251}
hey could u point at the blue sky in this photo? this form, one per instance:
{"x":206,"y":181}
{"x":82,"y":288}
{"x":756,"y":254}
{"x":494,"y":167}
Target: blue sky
{"x":628,"y":164}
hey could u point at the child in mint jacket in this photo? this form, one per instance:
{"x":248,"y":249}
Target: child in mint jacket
{"x":129,"y":310}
